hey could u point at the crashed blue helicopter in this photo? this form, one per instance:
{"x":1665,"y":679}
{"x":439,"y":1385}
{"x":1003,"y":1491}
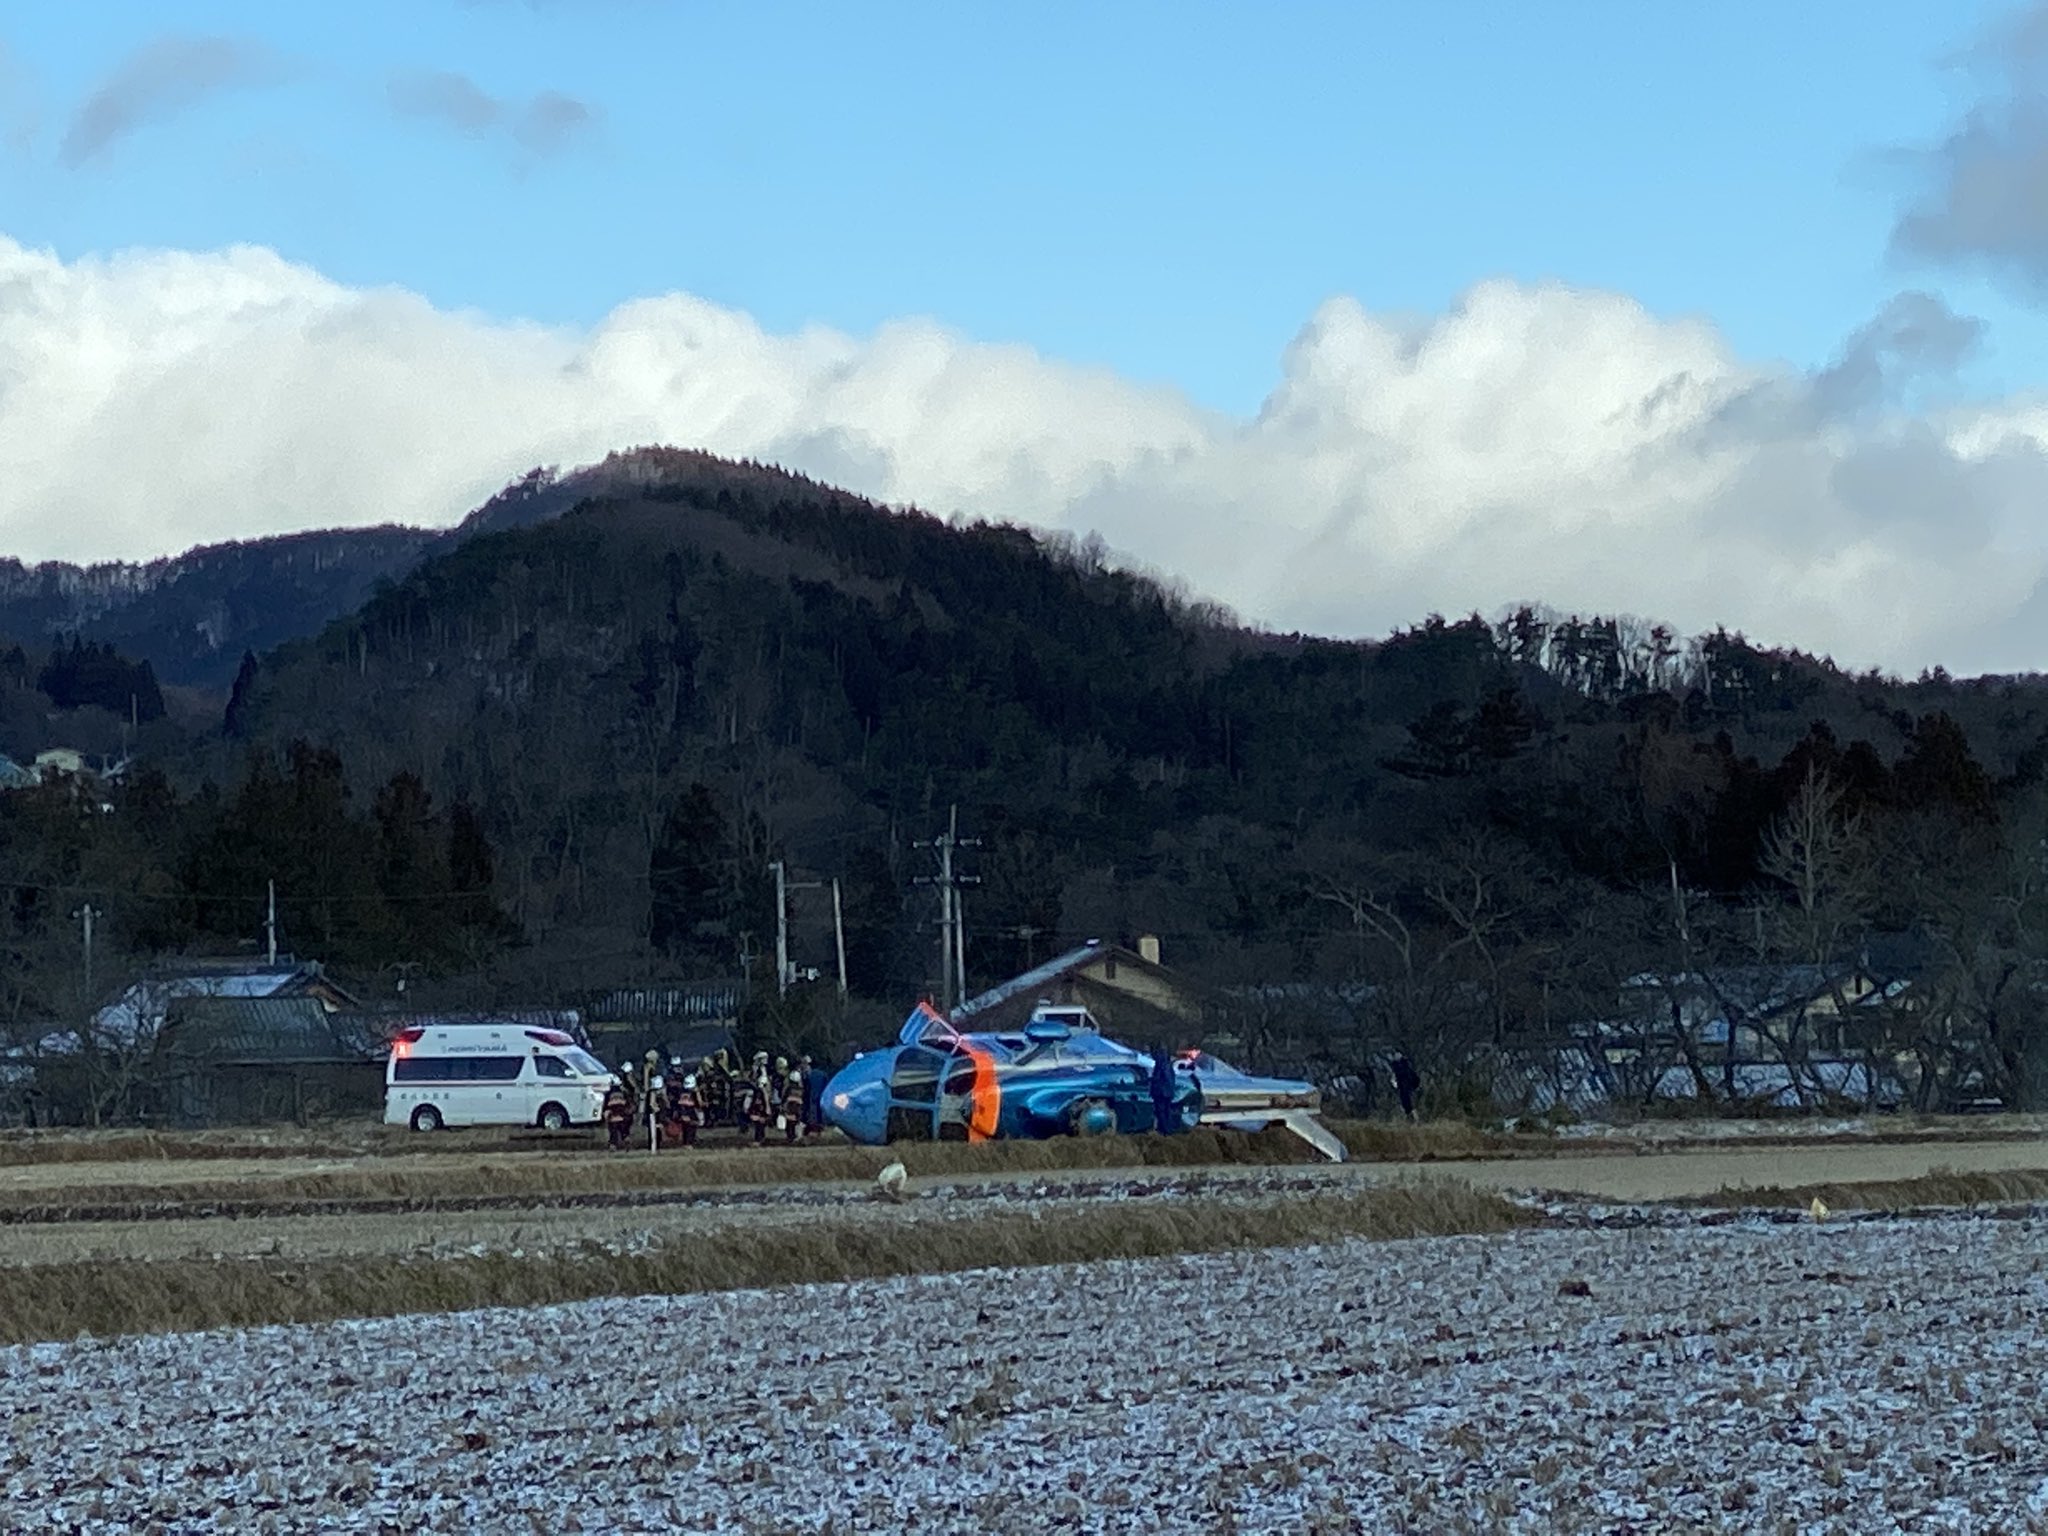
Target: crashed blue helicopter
{"x":1058,"y":1076}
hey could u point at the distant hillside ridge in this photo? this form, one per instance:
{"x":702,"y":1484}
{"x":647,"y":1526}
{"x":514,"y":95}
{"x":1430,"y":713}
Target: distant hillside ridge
{"x":193,"y":615}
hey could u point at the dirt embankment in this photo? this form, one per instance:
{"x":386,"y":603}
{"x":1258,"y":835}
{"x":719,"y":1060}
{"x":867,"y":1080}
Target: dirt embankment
{"x":1694,"y":1173}
{"x":537,"y":1207}
{"x":381,"y":1235}
{"x":125,"y":1278}
{"x":486,"y":1178}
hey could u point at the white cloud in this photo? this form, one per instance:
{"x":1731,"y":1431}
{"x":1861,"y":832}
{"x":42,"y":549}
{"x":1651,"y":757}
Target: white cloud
{"x":1534,"y":443}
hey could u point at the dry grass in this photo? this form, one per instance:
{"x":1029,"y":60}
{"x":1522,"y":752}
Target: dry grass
{"x":1399,"y":1141}
{"x":1385,"y":1140}
{"x":341,"y":1138}
{"x":22,"y":1149}
{"x":581,"y":1169}
{"x":1391,"y":1140}
{"x":1941,"y":1187}
{"x":55,"y":1301}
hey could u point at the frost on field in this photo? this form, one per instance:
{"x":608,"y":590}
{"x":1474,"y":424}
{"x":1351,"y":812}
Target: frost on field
{"x":1883,"y":1376}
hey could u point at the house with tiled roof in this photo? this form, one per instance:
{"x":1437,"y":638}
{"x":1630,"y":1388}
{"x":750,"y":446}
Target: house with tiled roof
{"x":226,"y":1059}
{"x":1129,"y":992}
{"x":140,"y":1011}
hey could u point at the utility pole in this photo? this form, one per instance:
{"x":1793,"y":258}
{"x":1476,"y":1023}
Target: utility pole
{"x":781,"y":928}
{"x":959,"y":941}
{"x":783,"y":886}
{"x":839,"y":937}
{"x":952,"y":931}
{"x":944,"y":881}
{"x":959,"y":914}
{"x":747,"y":964}
{"x":949,"y":909}
{"x":87,"y":915}
{"x":270,"y":927}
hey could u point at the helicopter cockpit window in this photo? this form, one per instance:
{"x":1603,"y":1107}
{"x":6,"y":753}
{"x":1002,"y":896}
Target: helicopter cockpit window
{"x":915,"y":1078}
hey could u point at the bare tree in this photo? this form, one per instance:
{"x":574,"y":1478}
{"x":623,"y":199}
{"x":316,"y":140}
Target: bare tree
{"x":1680,"y":939}
{"x":1978,"y":1014}
{"x":1818,"y":855}
{"x":1429,"y":945}
{"x":1484,"y":892}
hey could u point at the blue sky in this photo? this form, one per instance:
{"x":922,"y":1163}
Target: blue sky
{"x":1167,"y":190}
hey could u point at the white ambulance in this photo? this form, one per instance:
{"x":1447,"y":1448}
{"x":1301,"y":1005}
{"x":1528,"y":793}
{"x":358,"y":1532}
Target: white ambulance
{"x":492,"y":1074}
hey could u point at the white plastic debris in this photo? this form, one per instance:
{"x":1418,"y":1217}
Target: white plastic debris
{"x":892,"y":1181}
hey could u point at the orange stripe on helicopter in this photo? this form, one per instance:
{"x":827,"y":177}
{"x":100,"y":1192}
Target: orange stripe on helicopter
{"x":985,"y":1097}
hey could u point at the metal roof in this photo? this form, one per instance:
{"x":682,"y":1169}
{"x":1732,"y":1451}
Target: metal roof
{"x":143,"y":1006}
{"x":701,"y":1002}
{"x":226,"y":1030}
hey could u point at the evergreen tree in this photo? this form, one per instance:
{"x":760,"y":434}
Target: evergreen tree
{"x":235,"y":720}
{"x":690,"y":880}
{"x":412,"y":869}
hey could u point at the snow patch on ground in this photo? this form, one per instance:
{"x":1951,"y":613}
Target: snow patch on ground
{"x":1872,"y":1376}
{"x":1799,"y":1128}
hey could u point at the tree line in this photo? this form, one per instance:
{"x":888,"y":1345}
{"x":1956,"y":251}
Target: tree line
{"x":1466,"y":837}
{"x":396,"y":879}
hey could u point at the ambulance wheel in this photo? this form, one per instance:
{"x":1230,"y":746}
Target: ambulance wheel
{"x":553,"y":1118}
{"x":426,"y":1118}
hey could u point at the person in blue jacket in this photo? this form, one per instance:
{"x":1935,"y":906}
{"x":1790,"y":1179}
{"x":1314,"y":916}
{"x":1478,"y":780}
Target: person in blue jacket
{"x":1163,"y":1091}
{"x":814,"y":1095}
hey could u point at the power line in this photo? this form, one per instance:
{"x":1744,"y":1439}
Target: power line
{"x":286,"y":900}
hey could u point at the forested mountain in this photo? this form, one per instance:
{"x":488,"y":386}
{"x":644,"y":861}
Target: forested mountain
{"x":192,"y":616}
{"x":573,"y":741}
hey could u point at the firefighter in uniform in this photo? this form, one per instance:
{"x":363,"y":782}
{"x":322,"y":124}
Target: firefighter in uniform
{"x":651,"y":1109}
{"x":629,"y":1084}
{"x":760,"y":1099}
{"x":792,"y":1103}
{"x":618,"y":1115}
{"x":739,"y":1099}
{"x":684,"y":1112}
{"x":717,"y":1082}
